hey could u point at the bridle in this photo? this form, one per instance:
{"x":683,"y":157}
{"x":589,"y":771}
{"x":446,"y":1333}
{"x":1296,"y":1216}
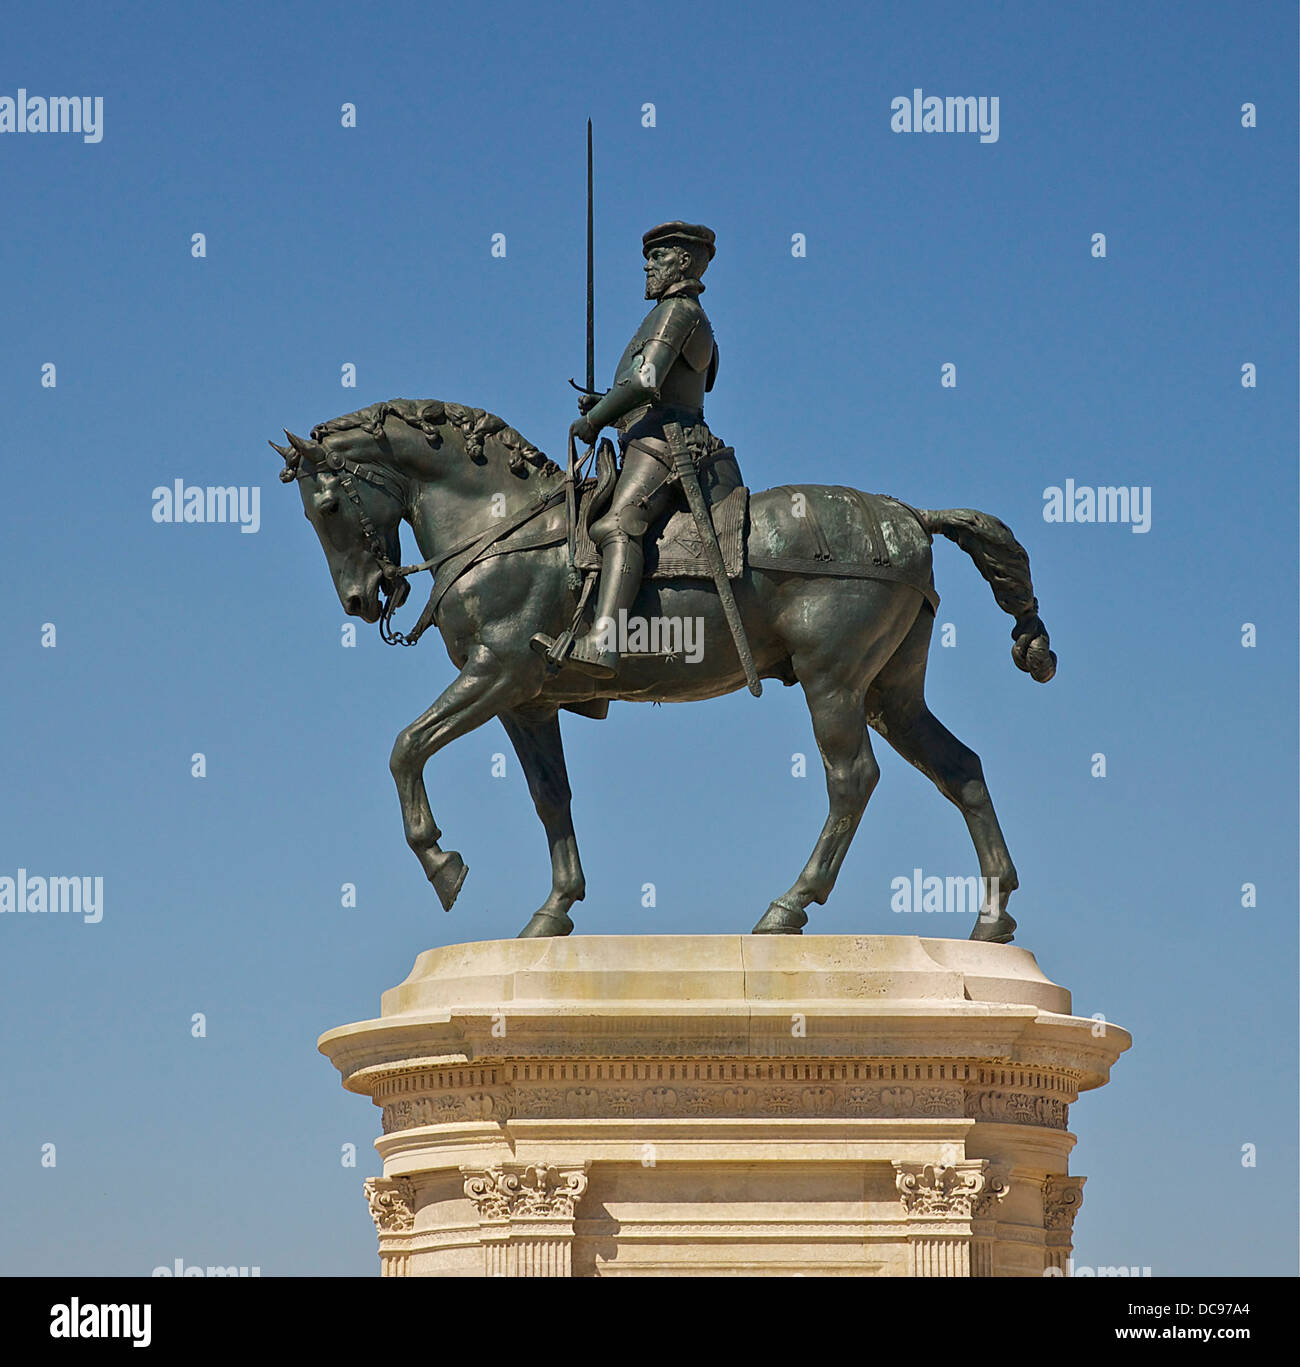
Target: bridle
{"x":464,"y":552}
{"x":395,"y":586}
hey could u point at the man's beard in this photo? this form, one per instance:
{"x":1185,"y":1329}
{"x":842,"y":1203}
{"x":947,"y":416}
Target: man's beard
{"x":655,"y":286}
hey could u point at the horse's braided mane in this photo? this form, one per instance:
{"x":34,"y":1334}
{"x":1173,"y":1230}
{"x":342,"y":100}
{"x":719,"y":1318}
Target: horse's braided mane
{"x":474,"y":424}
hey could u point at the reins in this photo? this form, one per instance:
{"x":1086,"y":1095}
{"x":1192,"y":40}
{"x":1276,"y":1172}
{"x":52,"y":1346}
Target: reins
{"x":453,"y":561}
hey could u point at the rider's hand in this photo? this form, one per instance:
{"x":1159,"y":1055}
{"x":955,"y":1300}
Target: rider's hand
{"x":586,"y":402}
{"x":584,"y":431}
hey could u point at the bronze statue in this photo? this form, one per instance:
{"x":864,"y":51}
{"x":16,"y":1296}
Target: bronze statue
{"x":833,"y":588}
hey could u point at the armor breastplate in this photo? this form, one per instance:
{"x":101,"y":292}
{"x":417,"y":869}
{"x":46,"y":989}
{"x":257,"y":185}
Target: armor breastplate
{"x":682,"y":324}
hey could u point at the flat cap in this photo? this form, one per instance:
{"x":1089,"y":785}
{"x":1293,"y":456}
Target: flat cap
{"x":689,"y":234}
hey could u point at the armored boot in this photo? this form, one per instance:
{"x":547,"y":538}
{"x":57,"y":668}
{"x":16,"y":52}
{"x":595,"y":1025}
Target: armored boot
{"x":642,"y":493}
{"x":621,"y":563}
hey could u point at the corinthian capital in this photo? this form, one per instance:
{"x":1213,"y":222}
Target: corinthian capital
{"x":935,"y":1189}
{"x":1062,"y":1197}
{"x":532,"y":1190}
{"x":391,"y":1200}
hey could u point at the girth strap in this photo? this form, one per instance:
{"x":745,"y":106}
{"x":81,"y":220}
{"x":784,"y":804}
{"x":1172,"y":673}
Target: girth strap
{"x":842,"y":569}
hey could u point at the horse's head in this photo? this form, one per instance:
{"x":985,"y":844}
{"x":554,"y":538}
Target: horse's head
{"x":360,"y":474}
{"x":355,"y":507}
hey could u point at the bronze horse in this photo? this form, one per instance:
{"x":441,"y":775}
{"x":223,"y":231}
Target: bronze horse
{"x":488,"y":513}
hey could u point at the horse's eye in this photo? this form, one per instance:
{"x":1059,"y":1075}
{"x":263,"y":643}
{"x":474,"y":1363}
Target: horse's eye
{"x":326,"y":502}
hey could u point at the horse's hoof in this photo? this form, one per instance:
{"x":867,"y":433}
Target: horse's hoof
{"x":449,"y":878}
{"x":780,"y":919}
{"x":544,"y":924}
{"x":998,"y":931}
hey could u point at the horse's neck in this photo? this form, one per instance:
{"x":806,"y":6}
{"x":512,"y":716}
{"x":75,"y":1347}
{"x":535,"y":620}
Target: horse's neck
{"x":464,"y":498}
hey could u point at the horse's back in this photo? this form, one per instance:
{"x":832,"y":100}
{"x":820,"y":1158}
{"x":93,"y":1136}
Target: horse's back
{"x":817,"y":528}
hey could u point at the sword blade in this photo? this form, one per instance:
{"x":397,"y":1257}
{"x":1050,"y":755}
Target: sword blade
{"x":591,"y":278}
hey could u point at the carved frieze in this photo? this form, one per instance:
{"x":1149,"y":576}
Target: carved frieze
{"x":770,"y":1089}
{"x":1018,"y":1108}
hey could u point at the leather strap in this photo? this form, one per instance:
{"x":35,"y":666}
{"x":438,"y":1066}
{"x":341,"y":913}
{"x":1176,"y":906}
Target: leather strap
{"x":843,"y":569}
{"x":452,"y":564}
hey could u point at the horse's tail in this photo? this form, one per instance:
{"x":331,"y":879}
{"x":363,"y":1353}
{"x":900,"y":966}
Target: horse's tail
{"x":1003,"y":561}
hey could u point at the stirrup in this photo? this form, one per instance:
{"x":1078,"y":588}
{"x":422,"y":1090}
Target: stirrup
{"x":544,"y":645}
{"x":579,"y":660}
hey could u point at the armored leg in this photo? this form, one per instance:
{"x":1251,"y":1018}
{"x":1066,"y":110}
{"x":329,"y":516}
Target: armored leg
{"x":640,"y":496}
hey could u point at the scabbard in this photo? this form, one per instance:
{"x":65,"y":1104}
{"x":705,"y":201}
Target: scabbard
{"x":690,"y":481}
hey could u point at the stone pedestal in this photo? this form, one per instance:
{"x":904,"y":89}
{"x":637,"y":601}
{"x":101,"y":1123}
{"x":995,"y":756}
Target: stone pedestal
{"x":725,"y":1105}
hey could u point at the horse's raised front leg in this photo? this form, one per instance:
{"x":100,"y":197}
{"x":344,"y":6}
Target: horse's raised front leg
{"x":540,"y":747}
{"x":478,"y":693}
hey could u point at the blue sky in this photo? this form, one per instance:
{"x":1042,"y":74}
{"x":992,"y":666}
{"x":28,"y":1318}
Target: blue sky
{"x":371,"y":246}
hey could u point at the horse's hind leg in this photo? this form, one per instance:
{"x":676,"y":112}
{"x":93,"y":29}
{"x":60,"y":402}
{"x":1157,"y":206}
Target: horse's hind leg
{"x":540,"y":747}
{"x":845,"y":634}
{"x":851,"y":776}
{"x":896,"y":708}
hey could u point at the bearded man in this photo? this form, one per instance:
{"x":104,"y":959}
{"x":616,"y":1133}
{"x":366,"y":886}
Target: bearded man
{"x":663,"y":376}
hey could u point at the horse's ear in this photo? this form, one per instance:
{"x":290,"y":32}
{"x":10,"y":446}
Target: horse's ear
{"x":290,"y":458}
{"x":313,"y":450}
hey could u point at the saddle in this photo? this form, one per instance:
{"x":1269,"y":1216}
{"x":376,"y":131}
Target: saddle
{"x":674,"y":548}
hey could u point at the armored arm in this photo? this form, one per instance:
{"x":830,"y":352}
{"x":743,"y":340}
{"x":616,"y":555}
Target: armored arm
{"x":637,"y":384}
{"x":659,"y":342}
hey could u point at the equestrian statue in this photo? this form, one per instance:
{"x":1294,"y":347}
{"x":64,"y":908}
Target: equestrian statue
{"x":823,"y":586}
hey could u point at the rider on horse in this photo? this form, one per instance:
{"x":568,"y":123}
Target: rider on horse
{"x":666,"y":369}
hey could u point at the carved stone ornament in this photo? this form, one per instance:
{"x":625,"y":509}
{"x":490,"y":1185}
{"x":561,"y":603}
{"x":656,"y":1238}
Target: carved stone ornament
{"x":996,"y":1187}
{"x":1062,"y":1197}
{"x":532,"y":1191}
{"x":391,"y":1199}
{"x":769,"y":1095}
{"x":930,"y":1189}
